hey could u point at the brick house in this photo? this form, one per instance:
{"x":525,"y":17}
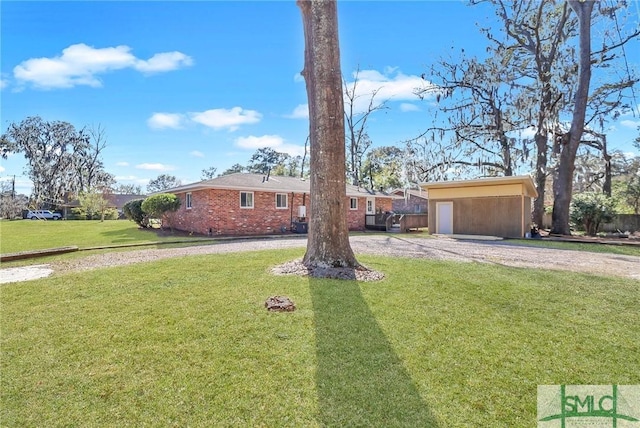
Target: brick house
{"x":255,"y":204}
{"x":411,"y":201}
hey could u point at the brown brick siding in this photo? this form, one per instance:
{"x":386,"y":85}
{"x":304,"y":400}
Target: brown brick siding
{"x":414,"y":205}
{"x":218,"y":212}
{"x":356,"y":218}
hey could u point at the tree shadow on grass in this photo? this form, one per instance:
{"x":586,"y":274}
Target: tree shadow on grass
{"x":360,"y":379}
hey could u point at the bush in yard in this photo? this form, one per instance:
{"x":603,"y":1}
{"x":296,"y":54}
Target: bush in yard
{"x":158,"y":206}
{"x":109,"y":214}
{"x":80,"y":213}
{"x":589,"y":210}
{"x":133,"y":211}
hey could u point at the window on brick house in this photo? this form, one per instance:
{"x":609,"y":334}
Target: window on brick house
{"x":246,"y":199}
{"x":281,"y":200}
{"x":354,"y":203}
{"x":188,"y":201}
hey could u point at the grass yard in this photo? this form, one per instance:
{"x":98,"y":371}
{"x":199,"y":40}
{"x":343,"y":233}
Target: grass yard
{"x":22,"y":235}
{"x":627,"y":250}
{"x":188,"y":342}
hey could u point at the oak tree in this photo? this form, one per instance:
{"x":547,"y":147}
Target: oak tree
{"x":563,"y":176}
{"x":61,"y":160}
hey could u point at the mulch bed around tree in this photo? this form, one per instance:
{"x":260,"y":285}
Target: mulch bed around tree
{"x":296,"y":267}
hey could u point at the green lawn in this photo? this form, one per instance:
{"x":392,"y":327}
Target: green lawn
{"x":22,"y":235}
{"x":188,"y":342}
{"x":628,"y":250}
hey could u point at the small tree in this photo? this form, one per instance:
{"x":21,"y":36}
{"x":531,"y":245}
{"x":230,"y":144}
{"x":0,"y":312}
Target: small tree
{"x":95,"y":201}
{"x":161,"y":205}
{"x":589,"y":210}
{"x":133,"y":211}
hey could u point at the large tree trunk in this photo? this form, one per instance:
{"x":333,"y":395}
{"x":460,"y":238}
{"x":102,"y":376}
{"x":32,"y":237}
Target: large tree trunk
{"x":328,"y":242}
{"x":606,"y":186}
{"x":563,"y":181}
{"x":542,"y":147}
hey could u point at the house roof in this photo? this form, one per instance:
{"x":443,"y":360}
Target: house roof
{"x":419,"y":193}
{"x":119,"y":200}
{"x":525,"y":180}
{"x":260,"y":182}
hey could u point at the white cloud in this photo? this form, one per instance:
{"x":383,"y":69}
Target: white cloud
{"x":122,"y":163}
{"x":81,"y":64}
{"x":197,"y":154}
{"x":405,"y":107}
{"x":165,"y":120}
{"x":392,"y":85}
{"x":155,"y":167}
{"x":298,"y":77}
{"x":166,"y":61}
{"x":630,"y":123}
{"x":230,"y":119}
{"x":274,"y":142}
{"x":300,"y":112}
{"x":525,"y":133}
{"x":3,"y":83}
{"x":2,"y":168}
{"x":132,"y":178}
{"x":226,"y":119}
{"x":253,"y":142}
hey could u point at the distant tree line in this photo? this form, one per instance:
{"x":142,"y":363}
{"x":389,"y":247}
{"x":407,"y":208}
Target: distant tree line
{"x":61,"y":160}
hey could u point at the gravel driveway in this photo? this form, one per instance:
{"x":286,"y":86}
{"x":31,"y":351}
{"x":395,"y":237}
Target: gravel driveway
{"x":505,"y":253}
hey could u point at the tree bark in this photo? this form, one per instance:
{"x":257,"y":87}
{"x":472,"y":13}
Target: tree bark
{"x":562,"y":185}
{"x":542,"y":147}
{"x":328,"y":241}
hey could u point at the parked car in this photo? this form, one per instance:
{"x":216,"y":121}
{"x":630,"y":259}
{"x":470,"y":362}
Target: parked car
{"x":43,"y":214}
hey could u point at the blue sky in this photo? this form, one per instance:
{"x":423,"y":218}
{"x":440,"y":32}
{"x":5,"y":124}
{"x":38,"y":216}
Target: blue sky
{"x":182,"y":86}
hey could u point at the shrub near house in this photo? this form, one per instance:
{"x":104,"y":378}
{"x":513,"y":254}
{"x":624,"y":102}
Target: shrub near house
{"x":161,"y":206}
{"x":133,"y":211}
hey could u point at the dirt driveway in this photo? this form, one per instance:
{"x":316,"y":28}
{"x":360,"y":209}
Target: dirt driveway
{"x":507,"y":253}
